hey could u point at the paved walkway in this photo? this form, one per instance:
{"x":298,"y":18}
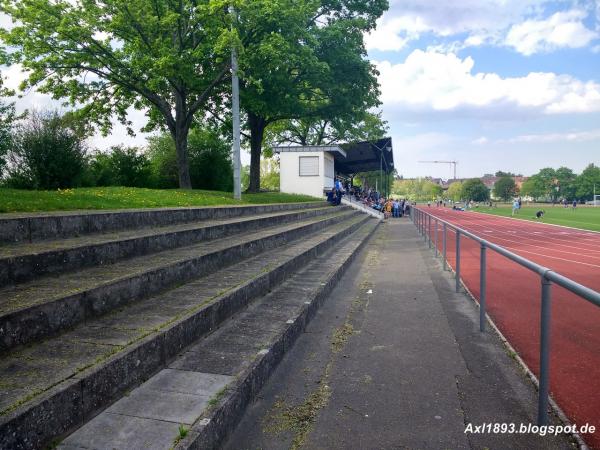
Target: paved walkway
{"x":394,"y":359}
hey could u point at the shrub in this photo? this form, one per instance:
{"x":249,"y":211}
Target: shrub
{"x":210,"y":163}
{"x":7,"y":120}
{"x":122,"y":166}
{"x":46,"y":154}
{"x":130,"y":167}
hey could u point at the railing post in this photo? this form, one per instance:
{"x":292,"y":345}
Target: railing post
{"x":429,"y":230}
{"x":544,"y":352}
{"x":457,"y":260}
{"x":482,"y":287}
{"x":444,"y":247}
{"x":436,"y":238}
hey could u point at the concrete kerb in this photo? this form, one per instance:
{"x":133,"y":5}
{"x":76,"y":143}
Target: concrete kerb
{"x":98,"y":386}
{"x":556,"y":409}
{"x":36,"y":322}
{"x":220,"y":419}
{"x":33,"y":227}
{"x":21,"y":268}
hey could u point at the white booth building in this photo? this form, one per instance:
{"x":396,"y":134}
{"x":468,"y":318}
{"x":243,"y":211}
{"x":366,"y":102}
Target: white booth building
{"x":308,"y":170}
{"x":311,"y":170}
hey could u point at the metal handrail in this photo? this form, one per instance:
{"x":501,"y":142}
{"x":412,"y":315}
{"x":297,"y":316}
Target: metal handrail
{"x":422,"y":221}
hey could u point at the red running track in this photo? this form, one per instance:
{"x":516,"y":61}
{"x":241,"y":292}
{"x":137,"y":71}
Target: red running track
{"x":513,"y":300}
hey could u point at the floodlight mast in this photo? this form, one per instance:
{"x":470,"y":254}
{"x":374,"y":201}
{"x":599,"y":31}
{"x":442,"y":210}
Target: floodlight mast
{"x":454,"y":163}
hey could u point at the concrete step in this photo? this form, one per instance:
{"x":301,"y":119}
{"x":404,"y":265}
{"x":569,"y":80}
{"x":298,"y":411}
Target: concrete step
{"x":56,"y":385}
{"x":45,"y":306}
{"x":21,"y":262}
{"x":31,"y":227}
{"x":209,"y":385}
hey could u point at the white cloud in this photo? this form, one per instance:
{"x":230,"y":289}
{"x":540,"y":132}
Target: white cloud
{"x":562,"y":29}
{"x":386,"y":37}
{"x":406,"y":20}
{"x":481,"y":141}
{"x":575,"y":136}
{"x":430,"y":81}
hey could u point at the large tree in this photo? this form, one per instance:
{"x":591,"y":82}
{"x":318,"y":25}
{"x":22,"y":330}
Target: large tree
{"x":586,"y":181}
{"x":454,"y":191}
{"x":565,"y":179}
{"x":166,"y":57}
{"x":534,"y":187}
{"x":307,"y":61}
{"x":505,"y":188}
{"x":475,"y":190}
{"x":548,"y":180}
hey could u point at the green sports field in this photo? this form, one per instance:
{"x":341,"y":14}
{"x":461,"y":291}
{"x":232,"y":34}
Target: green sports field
{"x":584,"y":217}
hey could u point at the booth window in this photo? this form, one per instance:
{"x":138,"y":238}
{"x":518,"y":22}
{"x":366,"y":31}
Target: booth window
{"x":309,"y":166}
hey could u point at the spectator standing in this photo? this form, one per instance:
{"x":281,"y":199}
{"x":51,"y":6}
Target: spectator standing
{"x":515,"y":207}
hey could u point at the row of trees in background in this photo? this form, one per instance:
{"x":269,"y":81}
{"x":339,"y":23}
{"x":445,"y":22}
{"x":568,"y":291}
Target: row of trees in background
{"x":303,"y":66}
{"x":562,"y":183}
{"x":47,"y":150}
{"x":417,"y":189}
{"x":547,"y":185}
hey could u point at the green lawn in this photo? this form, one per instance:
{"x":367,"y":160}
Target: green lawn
{"x":13,"y":200}
{"x":584,"y":217}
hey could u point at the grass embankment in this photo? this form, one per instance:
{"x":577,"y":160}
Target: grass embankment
{"x":13,"y":200}
{"x":584,"y":217}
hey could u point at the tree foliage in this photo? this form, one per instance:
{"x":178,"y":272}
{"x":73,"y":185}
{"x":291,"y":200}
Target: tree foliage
{"x":121,"y":166}
{"x":475,"y":190}
{"x":8,"y":119}
{"x":104,"y":57}
{"x":585,"y":182}
{"x":269,"y":174}
{"x":299,"y":59}
{"x":45,"y":154}
{"x":455,"y":191}
{"x":418,"y":189}
{"x":210,"y":163}
{"x":365,"y":126}
{"x":505,"y":188}
{"x":306,"y":60}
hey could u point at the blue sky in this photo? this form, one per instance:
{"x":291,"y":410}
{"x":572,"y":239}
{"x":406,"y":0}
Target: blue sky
{"x":508,"y":85}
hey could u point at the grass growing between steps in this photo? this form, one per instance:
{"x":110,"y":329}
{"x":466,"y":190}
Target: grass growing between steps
{"x":15,"y":200}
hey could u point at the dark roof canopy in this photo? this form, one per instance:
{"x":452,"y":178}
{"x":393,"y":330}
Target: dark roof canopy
{"x":353,"y":158}
{"x":365,"y":157}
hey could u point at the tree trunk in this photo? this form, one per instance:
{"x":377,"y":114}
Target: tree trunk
{"x":183,"y":163}
{"x":257,"y":132}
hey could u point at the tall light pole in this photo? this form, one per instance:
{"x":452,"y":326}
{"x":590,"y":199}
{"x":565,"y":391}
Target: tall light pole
{"x":235,"y":107}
